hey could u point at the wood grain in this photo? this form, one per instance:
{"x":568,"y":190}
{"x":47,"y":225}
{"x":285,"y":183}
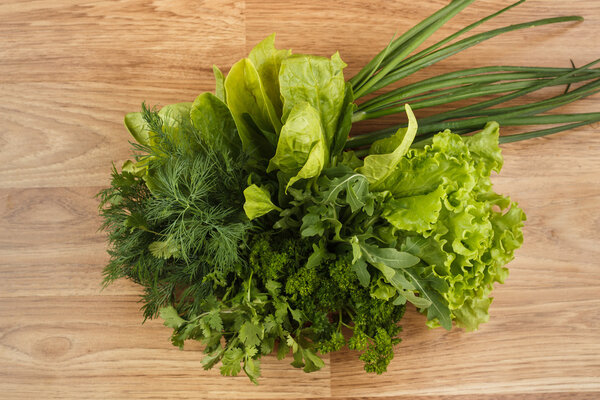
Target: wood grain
{"x":70,"y":70}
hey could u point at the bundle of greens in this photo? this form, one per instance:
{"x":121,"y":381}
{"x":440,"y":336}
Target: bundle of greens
{"x":256,"y":225}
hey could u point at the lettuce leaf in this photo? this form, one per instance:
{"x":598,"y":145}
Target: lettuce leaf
{"x":301,"y":149}
{"x":267,"y":60}
{"x":211,"y":117}
{"x":387,"y":153}
{"x":252,"y":94}
{"x":252,"y":110}
{"x":318,"y":81}
{"x":444,"y":207}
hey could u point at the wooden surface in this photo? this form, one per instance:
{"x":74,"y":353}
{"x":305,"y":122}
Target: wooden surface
{"x":69,"y":70}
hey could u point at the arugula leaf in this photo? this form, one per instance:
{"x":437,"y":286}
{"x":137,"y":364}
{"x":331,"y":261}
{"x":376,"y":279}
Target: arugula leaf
{"x":318,"y":255}
{"x":388,"y":256}
{"x":354,"y":185}
{"x":360,"y":268}
{"x":437,"y":309}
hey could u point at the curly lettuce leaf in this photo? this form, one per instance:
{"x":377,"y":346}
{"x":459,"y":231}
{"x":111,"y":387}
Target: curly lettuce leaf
{"x":443,"y":205}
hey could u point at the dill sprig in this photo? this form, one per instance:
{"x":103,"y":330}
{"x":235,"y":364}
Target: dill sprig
{"x":179,"y":228}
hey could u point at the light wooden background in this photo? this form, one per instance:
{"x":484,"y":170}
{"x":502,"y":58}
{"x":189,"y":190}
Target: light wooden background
{"x":69,"y":70}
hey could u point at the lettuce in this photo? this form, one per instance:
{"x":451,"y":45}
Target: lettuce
{"x":302,"y":150}
{"x":446,"y":214}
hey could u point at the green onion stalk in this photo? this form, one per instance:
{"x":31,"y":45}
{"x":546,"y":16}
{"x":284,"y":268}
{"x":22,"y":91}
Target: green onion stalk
{"x":487,"y":88}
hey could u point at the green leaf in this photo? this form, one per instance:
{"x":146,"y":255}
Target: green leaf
{"x":164,"y":249}
{"x":356,"y":249}
{"x":136,"y":221}
{"x":395,"y":278}
{"x":252,"y":369}
{"x":410,"y":296}
{"x":446,"y":159}
{"x":211,"y":359}
{"x":246,"y":95}
{"x":211,"y":117}
{"x":318,"y":81}
{"x":174,"y":116}
{"x":473,"y":313}
{"x":415,"y":213}
{"x":386,"y":153}
{"x":344,"y":122}
{"x":258,"y":202}
{"x":437,"y":309}
{"x":382,"y":290}
{"x":292,"y":344}
{"x":318,"y":255}
{"x":267,"y":60}
{"x":282,"y":350}
{"x":301,"y":149}
{"x":312,"y":362}
{"x":312,"y":226}
{"x":298,"y":315}
{"x":298,"y":359}
{"x":273,"y":287}
{"x":388,"y":256}
{"x":213,"y":318}
{"x":251,"y":333}
{"x":135,"y":124}
{"x":360,"y":267}
{"x":219,"y":84}
{"x":136,"y":168}
{"x":484,"y":148}
{"x":171,"y":317}
{"x":182,"y":334}
{"x":354,"y":185}
{"x":232,"y":359}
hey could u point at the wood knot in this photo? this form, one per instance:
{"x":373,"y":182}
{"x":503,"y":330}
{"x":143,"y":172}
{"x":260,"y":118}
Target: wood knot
{"x":51,"y":348}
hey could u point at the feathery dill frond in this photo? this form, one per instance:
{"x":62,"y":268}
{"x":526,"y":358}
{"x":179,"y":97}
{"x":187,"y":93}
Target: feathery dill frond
{"x":188,"y":226}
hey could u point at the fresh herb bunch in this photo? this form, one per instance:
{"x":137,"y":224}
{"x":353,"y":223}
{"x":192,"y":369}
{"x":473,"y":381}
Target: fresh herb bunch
{"x":255,"y":224}
{"x":175,"y":216}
